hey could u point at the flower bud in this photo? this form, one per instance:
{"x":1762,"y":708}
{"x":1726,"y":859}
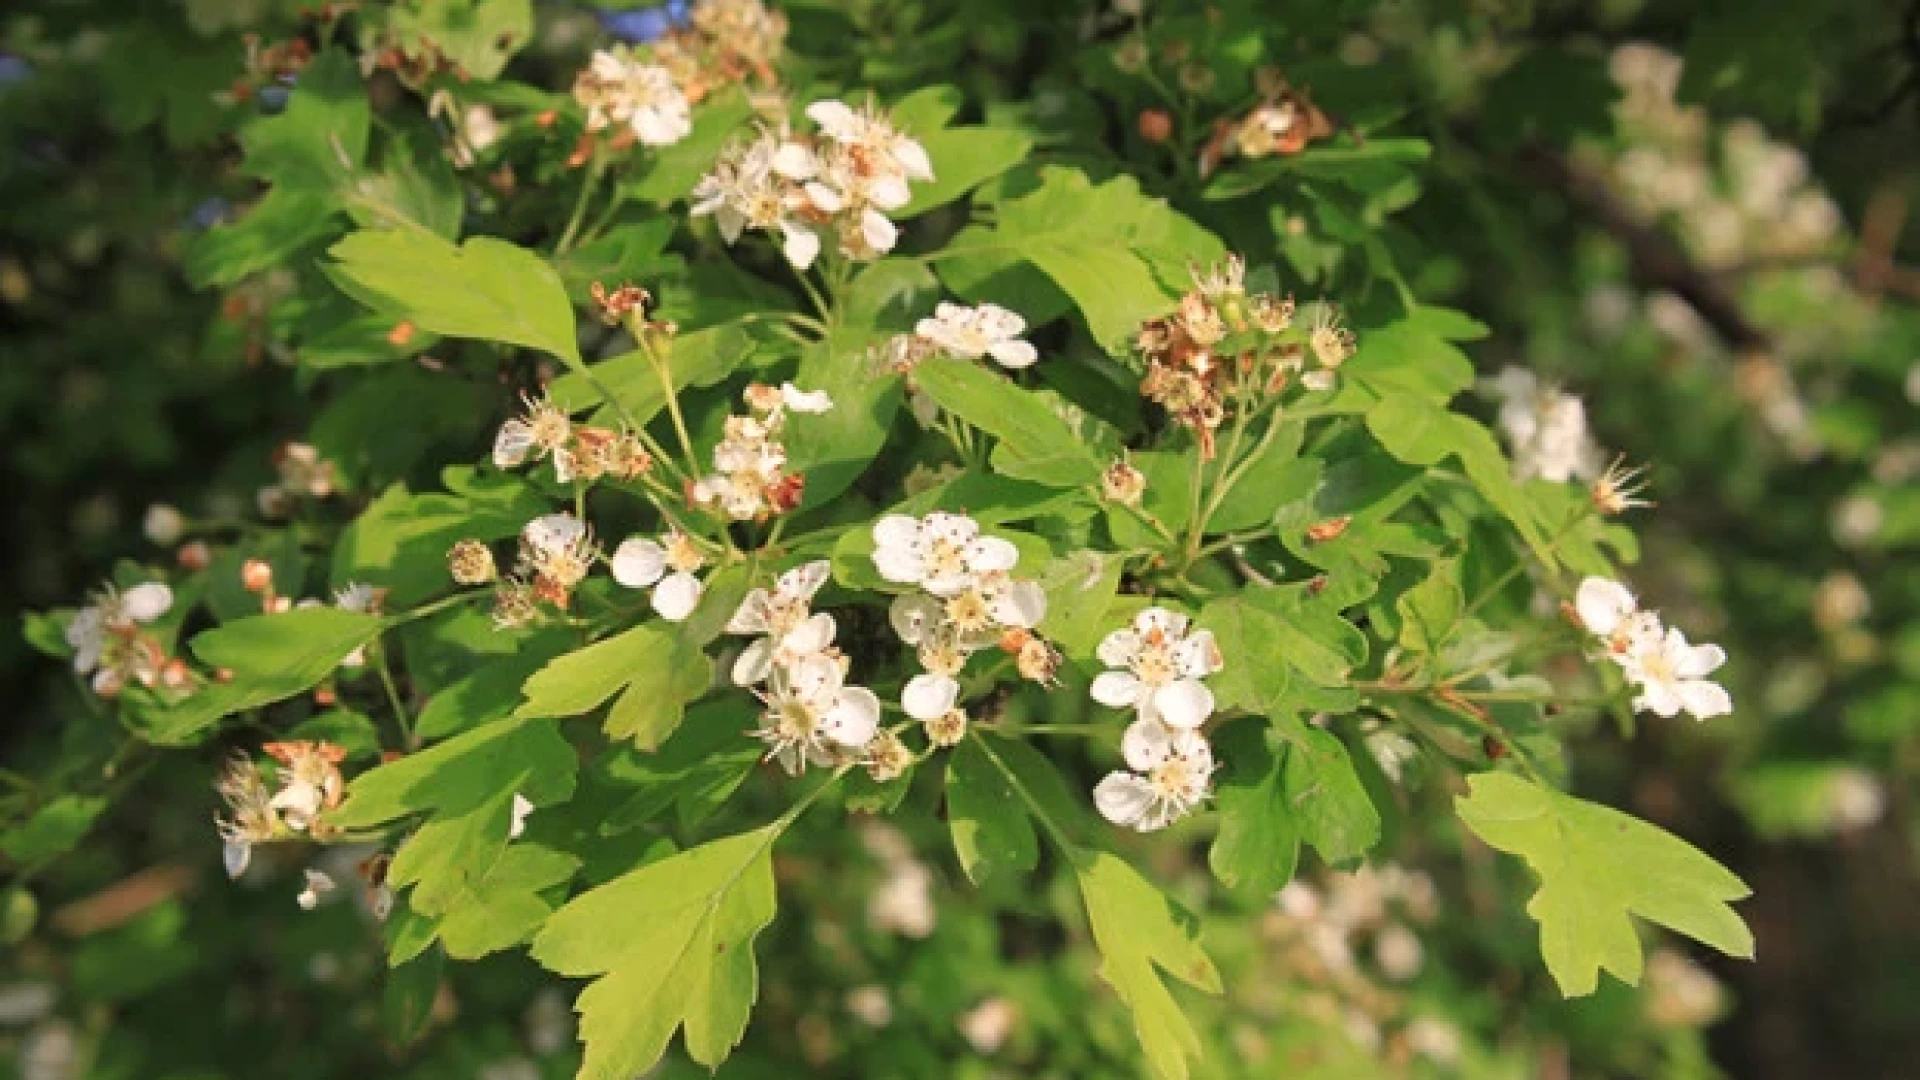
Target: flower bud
{"x":471,"y":563}
{"x":163,"y":524}
{"x":1156,"y":125}
{"x":1131,"y":55}
{"x":257,"y":575}
{"x":194,"y":555}
{"x":1122,"y":483}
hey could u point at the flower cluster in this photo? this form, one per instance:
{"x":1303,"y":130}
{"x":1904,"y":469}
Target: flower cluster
{"x":111,"y":649}
{"x":1670,"y":674}
{"x":309,"y":783}
{"x":749,"y":480}
{"x":845,"y":179}
{"x":1158,"y":663}
{"x":618,"y":87}
{"x":1224,"y":341}
{"x":580,"y":452}
{"x":966,"y":600}
{"x":721,"y":43}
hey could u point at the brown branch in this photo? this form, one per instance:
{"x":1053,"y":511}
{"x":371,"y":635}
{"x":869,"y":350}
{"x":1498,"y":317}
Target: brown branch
{"x":1656,"y":258}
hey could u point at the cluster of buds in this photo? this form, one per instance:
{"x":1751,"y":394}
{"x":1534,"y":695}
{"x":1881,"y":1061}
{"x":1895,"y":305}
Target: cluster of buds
{"x":965,"y":599}
{"x":302,"y":473}
{"x":1284,"y":122}
{"x":1224,"y":341}
{"x":749,"y":481}
{"x":580,"y":452}
{"x":112,"y":648}
{"x":557,"y":552}
{"x":845,"y":179}
{"x":308,"y":783}
{"x":256,"y":576}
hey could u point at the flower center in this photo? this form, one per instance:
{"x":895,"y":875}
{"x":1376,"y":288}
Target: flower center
{"x":796,"y":721}
{"x":682,"y":555}
{"x":942,"y":658}
{"x":1174,"y":780}
{"x":550,"y":428}
{"x":969,"y":612}
{"x":1154,"y":664}
{"x":945,"y":558}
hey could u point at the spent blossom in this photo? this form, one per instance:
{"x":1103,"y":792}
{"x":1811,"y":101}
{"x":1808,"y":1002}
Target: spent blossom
{"x":750,"y":480}
{"x":557,"y":551}
{"x":108,"y":642}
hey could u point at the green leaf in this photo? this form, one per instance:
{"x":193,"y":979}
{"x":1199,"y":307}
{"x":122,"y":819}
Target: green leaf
{"x":1080,"y":588}
{"x":407,"y":999}
{"x":675,"y":673}
{"x":272,"y":657}
{"x":1252,"y":641}
{"x":477,"y":36}
{"x":696,"y":358}
{"x":486,"y":288}
{"x":1430,"y":612}
{"x":1598,"y":866}
{"x":1419,"y":431}
{"x":1043,"y":447}
{"x":667,"y":946}
{"x":694,"y":772}
{"x":1116,"y":252}
{"x":320,"y":138}
{"x":659,"y":668}
{"x":1258,"y":845}
{"x":963,"y":159}
{"x":834,"y":448}
{"x":499,"y":908}
{"x":54,"y":829}
{"x":1327,"y":796}
{"x":1137,"y":929}
{"x":991,"y":833}
{"x":270,"y":235}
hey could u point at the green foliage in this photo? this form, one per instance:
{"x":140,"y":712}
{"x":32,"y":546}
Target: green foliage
{"x":1597,"y":867}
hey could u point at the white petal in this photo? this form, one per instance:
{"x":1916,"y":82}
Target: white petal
{"x":824,"y":199}
{"x":835,"y":118}
{"x":896,"y":530}
{"x":1705,"y":699}
{"x":1170,"y":623}
{"x":803,"y":581}
{"x":912,"y":615}
{"x":512,"y":445}
{"x":805,"y":401}
{"x":899,"y":564}
{"x":1695,"y":661}
{"x":1116,"y":689}
{"x":912,"y":158}
{"x":563,"y":465}
{"x":147,"y":601}
{"x":801,"y":247}
{"x":1123,"y":798}
{"x":1659,"y":698}
{"x":1023,"y":604}
{"x":1602,"y":604}
{"x":889,"y":192}
{"x":991,"y":553}
{"x":1013,"y":354}
{"x":552,"y":532}
{"x":1199,"y":655}
{"x":751,"y":616}
{"x":953,"y":528}
{"x":877,"y":231}
{"x":236,"y":854}
{"x":853,"y":719}
{"x":926,"y":697}
{"x":1183,"y":703}
{"x":1147,"y":745}
{"x":754,"y":663}
{"x":1118,"y":648}
{"x":676,"y":596}
{"x":639,"y":562}
{"x":794,"y":161}
{"x":811,"y":636}
{"x":518,"y":823}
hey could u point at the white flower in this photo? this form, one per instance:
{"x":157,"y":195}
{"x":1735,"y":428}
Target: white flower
{"x":1172,"y":774}
{"x":113,"y":617}
{"x":811,"y":402}
{"x":788,"y":629}
{"x":163,"y":524}
{"x":1672,"y":674}
{"x":560,"y":551}
{"x":1545,"y":428}
{"x":1160,"y":667}
{"x":883,"y":158}
{"x":318,"y":884}
{"x":668,"y":568}
{"x":543,"y":429}
{"x":766,"y":184}
{"x":1609,"y":611}
{"x":810,"y":712}
{"x":987,"y":330}
{"x":942,"y":553}
{"x":517,"y":820}
{"x":618,"y":89}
